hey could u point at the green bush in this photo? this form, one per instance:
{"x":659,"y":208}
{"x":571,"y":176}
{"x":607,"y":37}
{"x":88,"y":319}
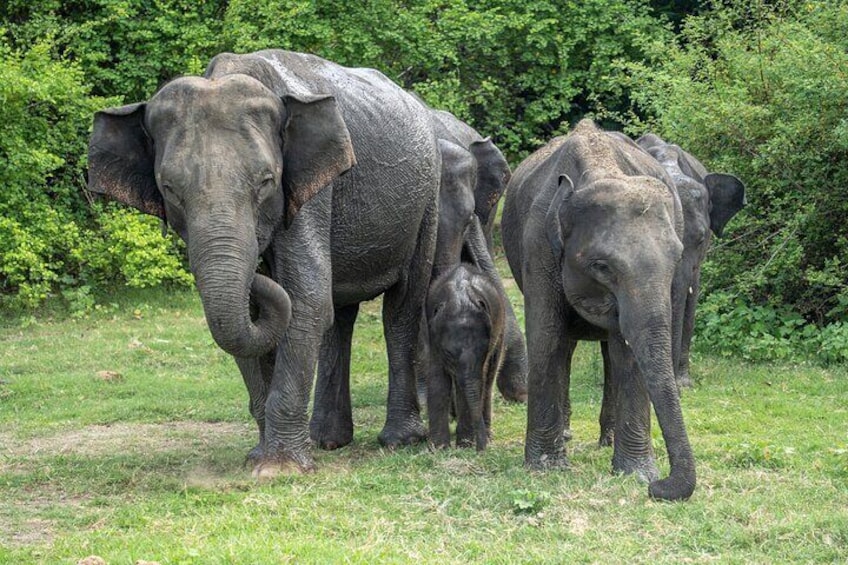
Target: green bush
{"x":518,"y":71}
{"x":761,"y":91}
{"x":125,"y":48}
{"x":728,"y":325}
{"x":50,"y":237}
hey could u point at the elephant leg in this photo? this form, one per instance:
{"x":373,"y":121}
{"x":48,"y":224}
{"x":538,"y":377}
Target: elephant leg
{"x":422,"y":360}
{"x":304,"y":270}
{"x":439,"y":395}
{"x":331,"y":426}
{"x":684,"y":380}
{"x":609,"y":400}
{"x":565,"y":391}
{"x":548,"y":355}
{"x":256,"y":372}
{"x":403,"y":306}
{"x":679,"y":300}
{"x":632,"y":451}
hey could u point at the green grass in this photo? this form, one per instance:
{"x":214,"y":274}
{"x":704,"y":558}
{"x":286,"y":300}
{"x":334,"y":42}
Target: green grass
{"x":148,"y":464}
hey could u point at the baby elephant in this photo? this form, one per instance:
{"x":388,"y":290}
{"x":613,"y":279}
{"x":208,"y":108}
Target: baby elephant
{"x":465,"y":316}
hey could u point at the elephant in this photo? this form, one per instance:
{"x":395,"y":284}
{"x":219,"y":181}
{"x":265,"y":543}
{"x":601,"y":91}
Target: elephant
{"x":592,"y":229}
{"x":709,"y":201}
{"x":330,"y":175}
{"x":489,"y":180}
{"x":465,"y":317}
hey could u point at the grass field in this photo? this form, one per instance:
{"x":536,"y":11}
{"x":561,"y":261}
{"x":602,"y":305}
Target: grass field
{"x":124,"y":434}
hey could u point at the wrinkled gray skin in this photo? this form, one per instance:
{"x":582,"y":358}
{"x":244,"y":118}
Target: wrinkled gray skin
{"x":488,"y":184}
{"x":592,"y":229}
{"x":246,"y":162}
{"x":465,"y":317}
{"x":709,"y":201}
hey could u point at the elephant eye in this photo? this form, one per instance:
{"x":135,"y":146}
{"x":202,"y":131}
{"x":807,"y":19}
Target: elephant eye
{"x":599,"y":266}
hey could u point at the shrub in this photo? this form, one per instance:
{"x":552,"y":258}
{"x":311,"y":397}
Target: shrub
{"x":49,"y":236}
{"x":760,"y":90}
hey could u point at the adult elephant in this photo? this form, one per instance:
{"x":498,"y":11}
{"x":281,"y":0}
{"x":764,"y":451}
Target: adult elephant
{"x":709,"y":201}
{"x":247,"y":162}
{"x":592,"y":229}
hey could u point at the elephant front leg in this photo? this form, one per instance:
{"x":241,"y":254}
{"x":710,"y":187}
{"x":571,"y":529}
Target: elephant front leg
{"x":438,"y":405}
{"x":257,"y":373}
{"x":331,"y":426}
{"x":632,"y":451}
{"x":401,"y":324}
{"x":544,"y":446}
{"x":684,"y":380}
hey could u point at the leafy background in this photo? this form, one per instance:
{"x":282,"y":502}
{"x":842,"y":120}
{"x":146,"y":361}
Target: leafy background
{"x":757,"y":89}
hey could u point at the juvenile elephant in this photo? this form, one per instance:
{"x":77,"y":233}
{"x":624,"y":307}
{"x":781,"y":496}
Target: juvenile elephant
{"x":708,"y":201}
{"x":489,"y":176}
{"x":465,"y":317}
{"x":592,"y":229}
{"x":248,"y":161}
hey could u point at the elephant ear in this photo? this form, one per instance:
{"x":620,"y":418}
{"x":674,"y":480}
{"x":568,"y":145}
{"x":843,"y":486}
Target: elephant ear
{"x":120,"y":159}
{"x":492,"y":177}
{"x":727,"y":197}
{"x":316,"y":148}
{"x":556,"y":220}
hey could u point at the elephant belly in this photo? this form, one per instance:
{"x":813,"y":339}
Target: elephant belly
{"x":375,"y":236}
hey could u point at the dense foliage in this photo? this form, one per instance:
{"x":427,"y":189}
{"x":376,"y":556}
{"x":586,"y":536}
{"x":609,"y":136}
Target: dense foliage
{"x":763,"y":92}
{"x":750,"y":87}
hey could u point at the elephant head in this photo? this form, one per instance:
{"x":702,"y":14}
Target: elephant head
{"x":226,"y":162}
{"x":465,"y":316}
{"x":456,"y":204}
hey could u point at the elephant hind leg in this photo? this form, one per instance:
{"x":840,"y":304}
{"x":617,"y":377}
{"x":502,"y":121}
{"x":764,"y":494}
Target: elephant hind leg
{"x":609,"y":400}
{"x":403,"y":306}
{"x":331,"y":426}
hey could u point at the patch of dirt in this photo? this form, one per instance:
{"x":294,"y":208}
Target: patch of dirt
{"x":105,"y":439}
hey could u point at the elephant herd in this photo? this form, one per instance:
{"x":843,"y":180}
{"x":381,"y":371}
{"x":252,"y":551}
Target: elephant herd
{"x":303,"y":188}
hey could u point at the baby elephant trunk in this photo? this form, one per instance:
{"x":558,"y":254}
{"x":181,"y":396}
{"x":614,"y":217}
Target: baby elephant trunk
{"x":470,"y":381}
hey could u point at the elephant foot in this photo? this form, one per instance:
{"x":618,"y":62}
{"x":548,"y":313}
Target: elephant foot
{"x":606,"y":438}
{"x":254,"y":456}
{"x":269,"y":468}
{"x":684,"y":380}
{"x":546,"y":461}
{"x":397,"y":433}
{"x":331,"y":432}
{"x":645,"y":467}
{"x":513,"y":386}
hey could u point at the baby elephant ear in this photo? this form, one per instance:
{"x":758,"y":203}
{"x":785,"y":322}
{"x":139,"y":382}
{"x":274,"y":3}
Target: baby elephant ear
{"x":316,"y":148}
{"x":727,"y":197}
{"x":120,"y":159}
{"x":557,"y":217}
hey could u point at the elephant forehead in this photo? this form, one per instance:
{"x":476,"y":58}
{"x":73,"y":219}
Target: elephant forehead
{"x":634,"y":193}
{"x":230,"y":96}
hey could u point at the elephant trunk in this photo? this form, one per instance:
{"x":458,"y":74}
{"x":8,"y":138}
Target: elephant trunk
{"x":648,"y":330}
{"x":224,"y":269}
{"x":471,"y":383}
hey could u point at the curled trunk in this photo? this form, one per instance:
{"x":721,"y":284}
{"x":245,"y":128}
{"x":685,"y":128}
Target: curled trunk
{"x":226,"y":279}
